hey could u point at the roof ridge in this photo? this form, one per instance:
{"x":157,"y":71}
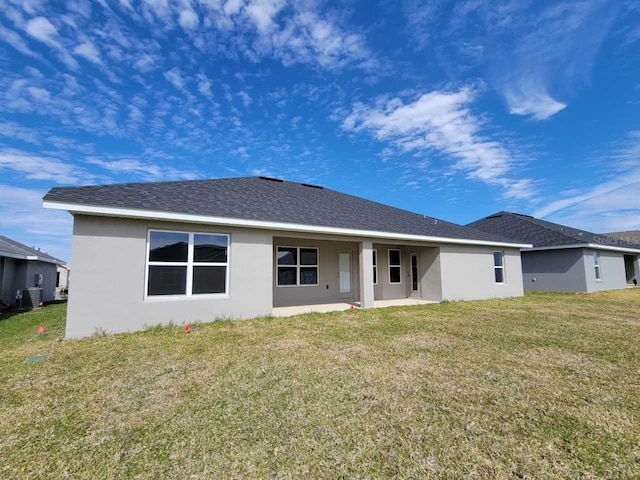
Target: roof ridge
{"x":534,"y":221}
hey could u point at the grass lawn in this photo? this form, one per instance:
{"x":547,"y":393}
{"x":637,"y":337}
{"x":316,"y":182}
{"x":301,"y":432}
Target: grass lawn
{"x":545,"y":386}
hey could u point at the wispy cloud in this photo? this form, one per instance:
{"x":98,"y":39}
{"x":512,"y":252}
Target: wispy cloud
{"x":613,"y":204}
{"x":41,"y":167}
{"x":44,"y":31}
{"x":536,"y":54}
{"x":30,"y":223}
{"x":528,"y":96}
{"x":441,"y":122}
{"x":89,"y":51}
{"x":142,"y":170}
{"x":20,"y":132}
{"x":16,"y":41}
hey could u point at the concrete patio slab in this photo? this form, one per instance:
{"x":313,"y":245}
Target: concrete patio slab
{"x":336,"y":307}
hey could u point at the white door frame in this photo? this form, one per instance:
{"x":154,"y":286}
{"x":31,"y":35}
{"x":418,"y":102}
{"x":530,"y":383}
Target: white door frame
{"x":348,"y":294}
{"x":417,"y":274}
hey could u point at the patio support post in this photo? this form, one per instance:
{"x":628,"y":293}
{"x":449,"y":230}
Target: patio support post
{"x":366,"y":274}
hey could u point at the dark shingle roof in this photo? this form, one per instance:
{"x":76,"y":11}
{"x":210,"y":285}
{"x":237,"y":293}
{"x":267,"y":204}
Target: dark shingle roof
{"x":19,"y":250}
{"x":259,"y":198}
{"x":541,"y":233}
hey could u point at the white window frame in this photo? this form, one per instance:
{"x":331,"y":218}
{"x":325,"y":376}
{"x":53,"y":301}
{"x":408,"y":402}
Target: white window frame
{"x":374,"y":260}
{"x":389,"y":266}
{"x":298,"y":266}
{"x":501,"y":267}
{"x":597,"y":267}
{"x":189,"y":264}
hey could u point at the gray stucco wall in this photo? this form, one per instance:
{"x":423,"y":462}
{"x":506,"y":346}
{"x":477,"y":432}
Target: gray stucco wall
{"x":468,"y":273}
{"x":554,"y":270}
{"x":612,"y":271}
{"x":108,"y":257}
{"x":109,"y":262}
{"x":19,"y":274}
{"x":48,"y":271}
{"x":328,"y":288}
{"x":431,"y":281}
{"x":385,"y":290}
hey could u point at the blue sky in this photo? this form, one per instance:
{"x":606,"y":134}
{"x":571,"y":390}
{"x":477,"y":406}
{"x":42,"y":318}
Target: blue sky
{"x":451,"y":109}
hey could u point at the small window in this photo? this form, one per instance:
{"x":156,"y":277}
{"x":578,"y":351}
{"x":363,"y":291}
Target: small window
{"x":297,"y":266}
{"x":395,"y":274}
{"x":181,"y":263}
{"x":596,"y":264}
{"x":498,"y":266}
{"x":375,"y":266}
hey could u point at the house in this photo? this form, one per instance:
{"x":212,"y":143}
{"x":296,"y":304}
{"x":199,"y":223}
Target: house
{"x":153,"y":253}
{"x":24,"y":267}
{"x":566,"y":259}
{"x":62,"y":281}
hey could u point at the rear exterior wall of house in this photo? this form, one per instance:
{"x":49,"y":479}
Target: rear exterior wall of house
{"x":111,"y":269}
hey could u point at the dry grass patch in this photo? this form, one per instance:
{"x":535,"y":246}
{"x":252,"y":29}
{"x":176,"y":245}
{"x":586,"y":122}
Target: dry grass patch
{"x":544,"y":386}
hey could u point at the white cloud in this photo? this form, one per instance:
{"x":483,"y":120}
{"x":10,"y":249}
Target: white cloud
{"x":245,"y":98}
{"x":307,"y":37}
{"x":42,"y":29}
{"x":25,"y":220}
{"x":291,"y":32}
{"x":40,"y":167}
{"x":530,"y":98}
{"x":15,"y":130}
{"x":441,"y":122}
{"x":146,"y":62}
{"x":142,"y":169}
{"x":13,"y":39}
{"x":263,"y":12}
{"x":613,"y":204}
{"x":187,"y":17}
{"x":534,"y":54}
{"x":89,"y":51}
{"x":204,"y":86}
{"x":160,"y":8}
{"x":175,"y":77}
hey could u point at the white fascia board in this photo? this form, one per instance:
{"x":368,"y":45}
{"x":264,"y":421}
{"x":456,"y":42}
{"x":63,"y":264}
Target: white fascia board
{"x":241,"y":222}
{"x":593,"y":246}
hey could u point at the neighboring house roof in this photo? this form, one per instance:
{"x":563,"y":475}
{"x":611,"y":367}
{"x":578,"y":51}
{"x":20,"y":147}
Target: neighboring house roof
{"x":546,"y":235}
{"x":11,"y":248}
{"x":261,"y":202}
{"x":631,"y":236}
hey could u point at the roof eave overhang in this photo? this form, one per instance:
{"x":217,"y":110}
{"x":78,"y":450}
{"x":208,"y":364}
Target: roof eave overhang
{"x":13,"y":255}
{"x":261,"y":224}
{"x":593,"y":246}
{"x":25,"y":257}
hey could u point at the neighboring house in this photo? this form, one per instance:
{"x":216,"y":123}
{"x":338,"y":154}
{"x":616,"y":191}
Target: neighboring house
{"x":154,"y":253}
{"x":565,"y":259}
{"x":20,"y":267}
{"x":62,"y":281}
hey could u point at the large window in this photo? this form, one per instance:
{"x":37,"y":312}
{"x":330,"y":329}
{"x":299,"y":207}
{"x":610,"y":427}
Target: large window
{"x":394,"y":266}
{"x":297,"y":266}
{"x":498,"y":266}
{"x":181,"y":263}
{"x":375,"y":266}
{"x":596,"y":265}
